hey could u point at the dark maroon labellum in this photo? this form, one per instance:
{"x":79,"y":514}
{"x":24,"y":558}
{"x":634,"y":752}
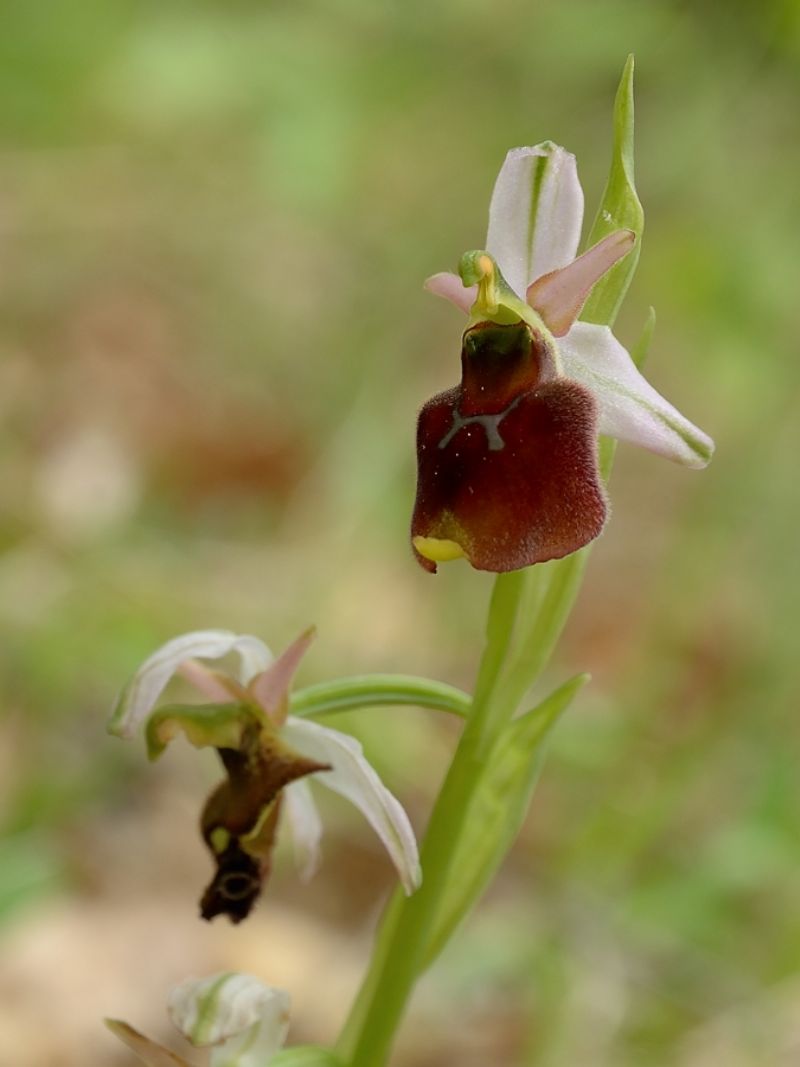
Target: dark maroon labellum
{"x":240,"y":818}
{"x":235,"y":887}
{"x":507,"y":461}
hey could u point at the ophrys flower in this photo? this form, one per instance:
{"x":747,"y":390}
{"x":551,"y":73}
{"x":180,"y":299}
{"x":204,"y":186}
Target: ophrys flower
{"x":508,"y":459}
{"x":267,"y":755}
{"x":243,"y":1021}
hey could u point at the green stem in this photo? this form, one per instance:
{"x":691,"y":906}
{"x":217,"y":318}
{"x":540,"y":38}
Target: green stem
{"x":378,"y":690}
{"x":547,"y":623}
{"x":403,"y":939}
{"x":507,"y":593}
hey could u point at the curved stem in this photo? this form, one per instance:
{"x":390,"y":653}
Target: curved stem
{"x":376,"y":690}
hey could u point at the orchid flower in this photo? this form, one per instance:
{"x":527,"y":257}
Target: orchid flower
{"x":267,"y":756}
{"x":243,"y":1020}
{"x":507,"y":460}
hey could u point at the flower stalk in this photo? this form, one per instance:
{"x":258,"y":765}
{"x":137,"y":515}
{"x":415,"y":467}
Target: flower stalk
{"x":529,"y":609}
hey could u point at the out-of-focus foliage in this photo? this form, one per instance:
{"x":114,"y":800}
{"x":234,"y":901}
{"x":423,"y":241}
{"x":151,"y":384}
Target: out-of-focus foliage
{"x":214,"y":224}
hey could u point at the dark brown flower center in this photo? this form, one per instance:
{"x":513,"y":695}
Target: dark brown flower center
{"x":507,"y":460}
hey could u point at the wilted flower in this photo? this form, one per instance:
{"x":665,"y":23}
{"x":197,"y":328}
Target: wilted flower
{"x":266,"y":755}
{"x":244,"y":1021}
{"x":508,"y":459}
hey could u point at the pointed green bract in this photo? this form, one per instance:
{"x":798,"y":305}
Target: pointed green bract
{"x":497,"y":809}
{"x":204,"y":725}
{"x":620,"y":209}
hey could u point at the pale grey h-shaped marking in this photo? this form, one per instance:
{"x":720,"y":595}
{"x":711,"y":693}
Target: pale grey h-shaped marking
{"x":490,"y":423}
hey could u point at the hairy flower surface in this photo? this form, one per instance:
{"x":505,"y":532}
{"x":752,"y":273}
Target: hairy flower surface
{"x":267,"y":755}
{"x":507,"y":460}
{"x":241,"y":1019}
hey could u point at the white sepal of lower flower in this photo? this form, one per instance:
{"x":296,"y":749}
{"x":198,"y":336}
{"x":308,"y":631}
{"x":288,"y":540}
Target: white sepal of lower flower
{"x":244,"y":1021}
{"x":535,"y":219}
{"x":265,"y":681}
{"x":141,"y":694}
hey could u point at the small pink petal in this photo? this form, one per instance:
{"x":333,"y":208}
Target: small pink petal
{"x":271,"y":687}
{"x":451,"y":287}
{"x":560,"y":295}
{"x":210,"y":684}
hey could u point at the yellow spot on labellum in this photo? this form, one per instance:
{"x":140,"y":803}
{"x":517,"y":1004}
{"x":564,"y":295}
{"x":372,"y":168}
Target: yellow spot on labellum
{"x":219,"y":838}
{"x":438,"y":550}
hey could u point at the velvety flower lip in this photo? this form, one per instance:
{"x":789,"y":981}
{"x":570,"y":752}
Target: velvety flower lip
{"x":507,"y":468}
{"x":242,"y":1020}
{"x":531,"y":275}
{"x":267,"y":755}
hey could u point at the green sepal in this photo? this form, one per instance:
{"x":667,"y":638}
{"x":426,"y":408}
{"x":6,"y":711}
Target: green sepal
{"x":497,"y":809}
{"x":620,"y":209}
{"x":376,"y":690}
{"x":306,"y":1056}
{"x":203,"y":725}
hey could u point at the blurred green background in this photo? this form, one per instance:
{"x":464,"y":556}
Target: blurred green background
{"x":215,"y":220}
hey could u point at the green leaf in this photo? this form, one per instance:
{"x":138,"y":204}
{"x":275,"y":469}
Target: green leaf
{"x":497,"y":809}
{"x":205,"y":725}
{"x":619,"y":209}
{"x":306,"y":1056}
{"x":374,"y":690}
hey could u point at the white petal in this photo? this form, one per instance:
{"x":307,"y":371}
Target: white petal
{"x":629,"y":407}
{"x":354,"y":778}
{"x":245,"y":1019}
{"x":560,"y":295}
{"x":535,"y":215}
{"x":216,"y":687}
{"x":450,"y":287}
{"x":305,"y":826}
{"x":143,"y":690}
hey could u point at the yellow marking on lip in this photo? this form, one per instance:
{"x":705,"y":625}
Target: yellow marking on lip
{"x":219,"y":838}
{"x":437,"y":549}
